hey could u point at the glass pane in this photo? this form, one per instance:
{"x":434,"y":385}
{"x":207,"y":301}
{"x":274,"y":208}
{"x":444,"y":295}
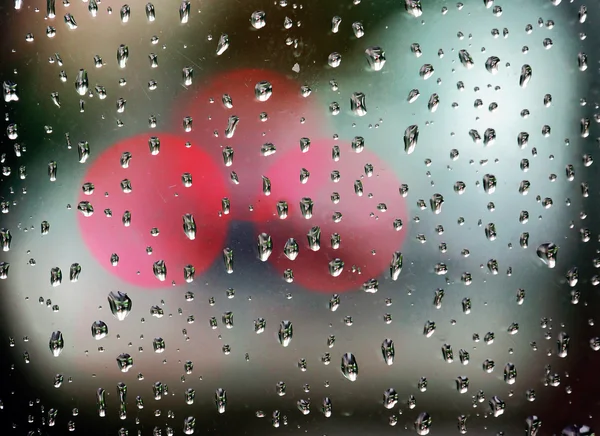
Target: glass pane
{"x":322,"y":217}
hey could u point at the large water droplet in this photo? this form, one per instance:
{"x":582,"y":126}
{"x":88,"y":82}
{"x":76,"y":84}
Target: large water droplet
{"x":388,"y":351}
{"x":349,"y":366}
{"x":99,"y":330}
{"x":265,"y":246}
{"x":375,"y":57}
{"x":286,"y":332}
{"x":56,"y":343}
{"x":548,"y":253}
{"x":120,"y":304}
{"x":258,"y":19}
{"x":411,"y":136}
{"x":423,"y":421}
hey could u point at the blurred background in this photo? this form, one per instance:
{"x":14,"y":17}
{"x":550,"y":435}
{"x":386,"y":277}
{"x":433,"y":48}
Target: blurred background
{"x":342,"y":217}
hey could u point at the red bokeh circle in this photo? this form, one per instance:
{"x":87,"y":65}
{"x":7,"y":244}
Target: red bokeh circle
{"x":158,"y":199}
{"x":290,"y":116}
{"x":367,"y":232}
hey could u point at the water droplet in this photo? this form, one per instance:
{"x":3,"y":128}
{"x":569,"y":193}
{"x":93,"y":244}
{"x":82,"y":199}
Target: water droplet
{"x":492,"y":64}
{"x":562,"y":343}
{"x":426,"y":71}
{"x":122,"y":55}
{"x":334,"y":60}
{"x":582,"y":61}
{"x":190,"y":393}
{"x":101,"y":402}
{"x":396,"y":265}
{"x":390,"y":398}
{"x":159,"y":345}
{"x":413,"y":7}
{"x":55,"y":276}
{"x":465,"y":59}
{"x":74,"y":272}
{"x":56,"y":343}
{"x":291,"y":249}
{"x":411,"y":136}
{"x":232,"y":124}
{"x":280,"y":388}
{"x":375,"y":57}
{"x":189,"y":425}
{"x":257,"y":19}
{"x":228,"y":260}
{"x":184,"y":11}
{"x":99,"y":330}
{"x":526,"y":73}
{"x":303,"y":406}
{"x":490,"y":232}
{"x":349,"y":366}
{"x":150,"y":12}
{"x":423,"y":421}
{"x":125,"y":13}
{"x":548,"y":253}
{"x":488,"y":365}
{"x":9,"y":89}
{"x":286,"y":332}
{"x":159,"y":268}
{"x":510,"y":373}
{"x":447,"y":353}
{"x":371,"y":286}
{"x":70,"y":21}
{"x":336,"y":266}
{"x":462,"y":384}
{"x":83,"y":149}
{"x":188,"y":76}
{"x":114,"y":258}
{"x":120,"y":304}
{"x":358,"y":29}
{"x":489,"y":183}
{"x":124,"y":362}
{"x":388,"y":351}
{"x":358,"y":104}
{"x":497,"y":406}
{"x":433,"y":103}
{"x":263,"y":90}
{"x":306,"y":208}
{"x":314,"y":238}
{"x":265,"y":246}
{"x":189,"y":226}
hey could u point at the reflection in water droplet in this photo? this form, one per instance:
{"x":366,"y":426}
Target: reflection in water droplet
{"x":358,"y":29}
{"x":411,"y":136}
{"x":265,"y":246}
{"x":99,"y":330}
{"x":497,"y":406}
{"x":263,"y":91}
{"x":358,"y":104}
{"x":286,"y":332}
{"x":388,"y":351}
{"x":124,"y":362}
{"x":548,"y":253}
{"x":336,"y":266}
{"x":56,"y":343}
{"x":184,"y":11}
{"x":122,"y":56}
{"x":465,"y":59}
{"x":413,"y":7}
{"x":375,"y":57}
{"x":423,"y":421}
{"x":349,"y":366}
{"x":120,"y":304}
{"x":526,"y":73}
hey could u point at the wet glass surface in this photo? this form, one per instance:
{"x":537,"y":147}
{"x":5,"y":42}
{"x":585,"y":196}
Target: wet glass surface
{"x":343,"y":217}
